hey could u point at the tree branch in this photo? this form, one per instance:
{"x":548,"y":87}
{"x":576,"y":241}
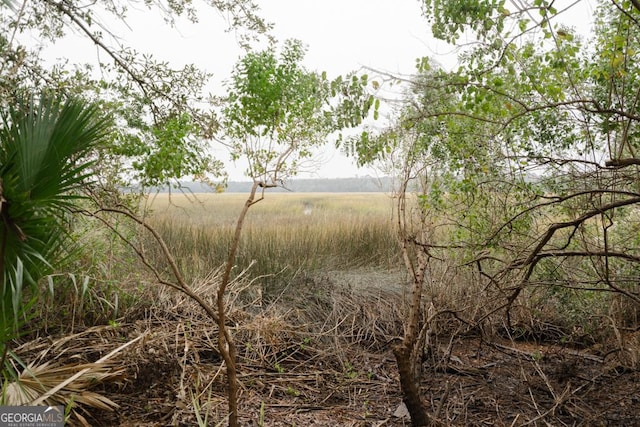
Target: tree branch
{"x":181,"y":284}
{"x":575,"y":223}
{"x":621,"y":163}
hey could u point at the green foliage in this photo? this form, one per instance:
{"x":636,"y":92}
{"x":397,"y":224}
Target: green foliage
{"x":515,"y":102}
{"x":45,"y":158}
{"x":449,"y":18}
{"x":171,"y":151}
{"x":508,"y":153}
{"x":270,"y":95}
{"x":614,"y":74}
{"x":165,"y":119}
{"x":277,"y":111}
{"x":166,"y":138}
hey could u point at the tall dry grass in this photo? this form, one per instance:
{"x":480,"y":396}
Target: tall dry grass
{"x":284,"y":234}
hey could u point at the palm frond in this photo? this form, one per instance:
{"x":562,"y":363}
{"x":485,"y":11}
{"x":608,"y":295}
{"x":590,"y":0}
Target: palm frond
{"x":51,"y":141}
{"x":35,"y":380}
{"x":45,"y":156}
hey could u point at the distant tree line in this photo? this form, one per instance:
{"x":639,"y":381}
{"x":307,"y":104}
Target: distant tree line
{"x":366,"y":184}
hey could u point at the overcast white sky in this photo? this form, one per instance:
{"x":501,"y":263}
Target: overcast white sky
{"x":341,"y":35}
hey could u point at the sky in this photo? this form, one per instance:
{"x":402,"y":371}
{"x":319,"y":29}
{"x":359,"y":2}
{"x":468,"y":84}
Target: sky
{"x":341,"y":36}
{"x":344,"y":35}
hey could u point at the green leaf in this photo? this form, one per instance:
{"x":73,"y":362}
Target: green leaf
{"x":46,"y":152}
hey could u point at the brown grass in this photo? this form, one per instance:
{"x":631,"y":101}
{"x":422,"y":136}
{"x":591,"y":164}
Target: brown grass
{"x":284,"y":234}
{"x":314,"y":341}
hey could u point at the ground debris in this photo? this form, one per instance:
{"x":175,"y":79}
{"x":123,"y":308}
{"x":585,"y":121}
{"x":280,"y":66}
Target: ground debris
{"x":327,"y":362}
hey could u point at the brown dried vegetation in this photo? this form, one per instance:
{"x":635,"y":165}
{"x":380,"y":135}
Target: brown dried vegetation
{"x":318,"y":351}
{"x":321,"y":355}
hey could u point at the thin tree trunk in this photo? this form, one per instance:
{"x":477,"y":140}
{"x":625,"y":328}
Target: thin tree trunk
{"x":410,"y":385}
{"x":409,"y":350}
{"x":408,"y":353}
{"x":226,"y":343}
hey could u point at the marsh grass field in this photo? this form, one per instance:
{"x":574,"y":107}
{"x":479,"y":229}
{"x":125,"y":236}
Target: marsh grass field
{"x":314,"y":349}
{"x":285,"y":234}
{"x":322,"y":299}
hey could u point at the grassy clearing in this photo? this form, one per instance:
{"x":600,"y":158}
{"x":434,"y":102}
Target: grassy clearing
{"x":284,"y":235}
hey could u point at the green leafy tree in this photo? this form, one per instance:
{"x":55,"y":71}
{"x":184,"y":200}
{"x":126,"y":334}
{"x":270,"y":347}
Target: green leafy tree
{"x":276,"y":112}
{"x":165,"y":118}
{"x":527,"y":152}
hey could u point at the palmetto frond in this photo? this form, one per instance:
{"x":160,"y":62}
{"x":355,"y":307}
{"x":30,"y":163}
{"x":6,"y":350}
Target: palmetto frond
{"x":35,"y":380}
{"x":45,"y":144}
{"x":45,"y":147}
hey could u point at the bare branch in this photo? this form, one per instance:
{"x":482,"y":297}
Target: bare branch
{"x":181,"y":284}
{"x":574,"y":223}
{"x":622,"y":163}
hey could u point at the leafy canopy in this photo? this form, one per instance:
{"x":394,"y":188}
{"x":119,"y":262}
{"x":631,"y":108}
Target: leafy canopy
{"x":165,"y":118}
{"x":277,"y":111}
{"x":536,"y":124}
